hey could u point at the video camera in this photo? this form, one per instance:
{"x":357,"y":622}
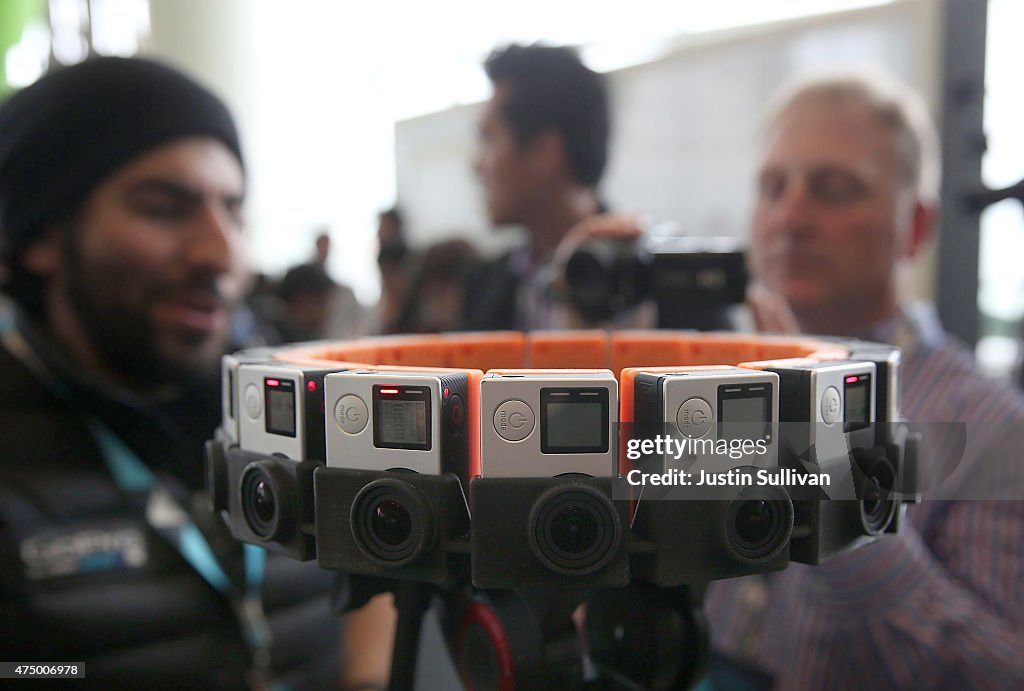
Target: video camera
{"x":398,"y":461}
{"x":548,"y":454}
{"x":829,"y":428}
{"x":264,"y":483}
{"x":709,"y":516}
{"x":692,"y":280}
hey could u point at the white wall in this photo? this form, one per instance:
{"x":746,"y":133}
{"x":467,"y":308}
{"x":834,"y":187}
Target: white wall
{"x":318,"y":142}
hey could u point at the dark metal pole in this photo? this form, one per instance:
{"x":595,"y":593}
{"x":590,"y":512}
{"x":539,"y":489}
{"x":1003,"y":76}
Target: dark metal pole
{"x":411,"y":600}
{"x":963,"y":145}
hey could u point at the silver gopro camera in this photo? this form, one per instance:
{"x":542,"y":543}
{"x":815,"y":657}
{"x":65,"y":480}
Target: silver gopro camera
{"x":265,"y":483}
{"x":410,"y":430}
{"x":281,"y":410}
{"x":713,"y":432}
{"x":546,"y":424}
{"x":839,"y":400}
{"x":411,"y":421}
{"x":827,"y":409}
{"x":542,"y":508}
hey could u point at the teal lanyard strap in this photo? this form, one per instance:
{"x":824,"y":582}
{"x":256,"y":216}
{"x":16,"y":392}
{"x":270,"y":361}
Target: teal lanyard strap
{"x":172,"y":522}
{"x":132,"y":475}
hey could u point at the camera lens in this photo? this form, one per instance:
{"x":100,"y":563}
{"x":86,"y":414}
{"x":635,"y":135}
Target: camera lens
{"x":574,"y":531}
{"x":877,"y":506}
{"x":759,"y":523}
{"x":263,"y":501}
{"x":604,"y":277}
{"x":259,"y":501}
{"x":391,"y":522}
{"x":755,"y":520}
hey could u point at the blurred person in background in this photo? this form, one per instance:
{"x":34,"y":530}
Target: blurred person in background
{"x":306,"y":293}
{"x":396,"y":264}
{"x":435,"y":299}
{"x":313,"y":305}
{"x":847,"y":193}
{"x":121,"y":189}
{"x":543,"y":148}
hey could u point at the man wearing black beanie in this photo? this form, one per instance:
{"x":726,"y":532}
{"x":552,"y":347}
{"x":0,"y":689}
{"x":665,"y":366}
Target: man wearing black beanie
{"x":121,"y":184}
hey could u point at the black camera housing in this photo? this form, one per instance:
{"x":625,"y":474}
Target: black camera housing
{"x":405,"y":526}
{"x":217,"y":485}
{"x":892,"y":438}
{"x":562,"y":532}
{"x":269,"y":500}
{"x":693,"y":541}
{"x":826,"y":527}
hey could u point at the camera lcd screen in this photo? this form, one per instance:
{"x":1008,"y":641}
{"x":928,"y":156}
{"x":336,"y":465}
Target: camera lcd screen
{"x":231,"y":394}
{"x":744,"y":412}
{"x":857,"y":403}
{"x":401,"y":417}
{"x":574,"y":420}
{"x":280,"y":397}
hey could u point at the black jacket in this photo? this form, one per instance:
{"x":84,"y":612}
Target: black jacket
{"x":86,"y":579}
{"x":490,"y":297}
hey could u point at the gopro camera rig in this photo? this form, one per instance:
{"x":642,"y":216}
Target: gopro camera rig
{"x":618,"y":471}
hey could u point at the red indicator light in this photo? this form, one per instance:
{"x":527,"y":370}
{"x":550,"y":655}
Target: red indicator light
{"x":852,"y":379}
{"x":311,"y":385}
{"x":273,"y":382}
{"x":389,"y":391}
{"x":446,"y":392}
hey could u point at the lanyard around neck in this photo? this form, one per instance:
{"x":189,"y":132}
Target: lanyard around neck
{"x":164,"y":513}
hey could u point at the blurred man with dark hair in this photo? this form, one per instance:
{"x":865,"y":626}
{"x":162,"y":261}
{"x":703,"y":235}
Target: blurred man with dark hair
{"x":543,"y":149}
{"x":391,"y":232}
{"x":436,"y":295}
{"x":121,"y":186}
{"x":307,"y":293}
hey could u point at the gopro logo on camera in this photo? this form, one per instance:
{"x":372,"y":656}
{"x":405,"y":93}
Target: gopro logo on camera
{"x":540,"y":423}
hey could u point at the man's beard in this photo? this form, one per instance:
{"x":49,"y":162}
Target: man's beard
{"x":123,"y":335}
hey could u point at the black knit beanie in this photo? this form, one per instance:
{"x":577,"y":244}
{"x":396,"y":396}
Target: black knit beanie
{"x":63,"y":135}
